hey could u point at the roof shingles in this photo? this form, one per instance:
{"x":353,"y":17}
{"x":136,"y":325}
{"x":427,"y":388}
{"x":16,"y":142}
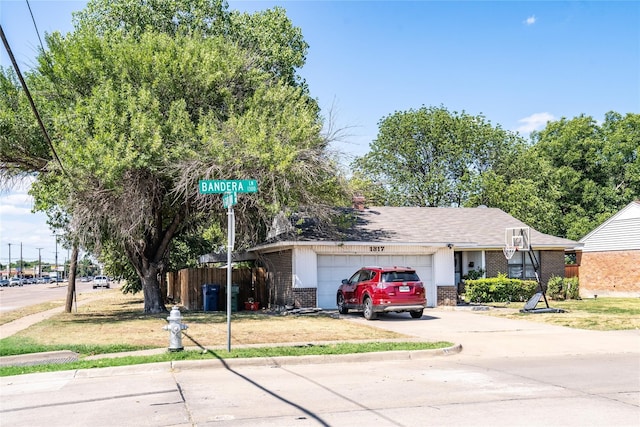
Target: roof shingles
{"x":464,"y":227}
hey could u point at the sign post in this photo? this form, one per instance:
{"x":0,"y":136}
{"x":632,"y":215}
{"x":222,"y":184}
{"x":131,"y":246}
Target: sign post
{"x":229,"y":190}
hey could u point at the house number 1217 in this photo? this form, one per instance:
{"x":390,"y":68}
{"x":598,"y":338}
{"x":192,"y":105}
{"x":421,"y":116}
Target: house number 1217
{"x":376,"y":248}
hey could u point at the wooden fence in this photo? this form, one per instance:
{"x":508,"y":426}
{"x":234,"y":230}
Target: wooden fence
{"x":184,"y":287}
{"x":571,"y":270}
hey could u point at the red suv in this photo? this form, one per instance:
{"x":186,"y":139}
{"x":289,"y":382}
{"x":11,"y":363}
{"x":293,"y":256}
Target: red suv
{"x":382,"y":289}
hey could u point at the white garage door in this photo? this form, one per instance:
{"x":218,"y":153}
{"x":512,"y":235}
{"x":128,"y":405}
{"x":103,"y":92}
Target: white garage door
{"x":333,"y":268}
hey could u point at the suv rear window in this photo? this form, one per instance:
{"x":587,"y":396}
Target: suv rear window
{"x":400,"y":276}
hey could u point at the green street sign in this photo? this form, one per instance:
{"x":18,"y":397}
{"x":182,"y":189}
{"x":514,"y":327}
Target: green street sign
{"x":215,"y":186}
{"x":229,"y":199}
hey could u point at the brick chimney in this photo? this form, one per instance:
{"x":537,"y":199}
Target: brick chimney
{"x":358,"y":202}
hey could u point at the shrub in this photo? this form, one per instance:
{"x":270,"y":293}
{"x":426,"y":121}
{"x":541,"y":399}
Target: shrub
{"x":572,"y":288}
{"x":474,"y":274}
{"x":556,"y":289}
{"x":560,"y":288}
{"x":500,"y":289}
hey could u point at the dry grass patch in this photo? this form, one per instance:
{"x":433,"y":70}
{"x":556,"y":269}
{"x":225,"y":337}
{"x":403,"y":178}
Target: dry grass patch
{"x":19,"y":313}
{"x":119,"y":319}
{"x":601,"y":314}
{"x":10,"y":316}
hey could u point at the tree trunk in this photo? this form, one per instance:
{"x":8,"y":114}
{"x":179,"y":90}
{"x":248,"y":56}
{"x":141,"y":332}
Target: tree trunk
{"x":71,"y":286}
{"x":153,"y":300}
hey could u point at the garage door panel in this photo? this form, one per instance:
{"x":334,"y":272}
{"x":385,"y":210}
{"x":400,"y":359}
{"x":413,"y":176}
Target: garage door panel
{"x":369,"y":260}
{"x":416,"y":260}
{"x":333,"y":268}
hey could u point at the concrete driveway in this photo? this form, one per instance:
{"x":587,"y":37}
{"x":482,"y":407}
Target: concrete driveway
{"x":482,"y":335}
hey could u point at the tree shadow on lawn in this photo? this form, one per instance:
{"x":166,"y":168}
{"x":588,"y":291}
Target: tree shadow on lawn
{"x":193,"y":317}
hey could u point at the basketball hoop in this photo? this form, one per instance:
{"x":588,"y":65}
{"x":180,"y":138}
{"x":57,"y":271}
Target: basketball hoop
{"x":509,"y":250}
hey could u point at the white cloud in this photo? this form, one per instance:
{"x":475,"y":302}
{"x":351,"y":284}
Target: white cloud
{"x":530,"y":20}
{"x":18,"y":225}
{"x":535,"y":121}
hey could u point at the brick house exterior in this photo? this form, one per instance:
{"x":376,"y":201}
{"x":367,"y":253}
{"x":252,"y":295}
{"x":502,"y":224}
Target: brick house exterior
{"x":615,"y":273}
{"x":551,"y":264}
{"x":305,"y":267}
{"x":610,"y":261}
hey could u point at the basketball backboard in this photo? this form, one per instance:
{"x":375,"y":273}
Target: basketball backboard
{"x":519,"y":237}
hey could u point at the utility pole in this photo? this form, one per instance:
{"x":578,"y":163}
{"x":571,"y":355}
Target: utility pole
{"x":39,"y":262}
{"x":56,"y":236}
{"x":9,"y":261}
{"x":21,"y":265}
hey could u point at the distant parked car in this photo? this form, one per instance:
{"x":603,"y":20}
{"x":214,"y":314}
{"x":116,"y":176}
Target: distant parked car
{"x":101,"y":282}
{"x":16,"y":281}
{"x":4,"y":282}
{"x":374,"y":290}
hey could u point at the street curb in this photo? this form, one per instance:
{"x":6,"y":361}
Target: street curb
{"x":276,"y":362}
{"x":273,"y":362}
{"x":49,"y":357}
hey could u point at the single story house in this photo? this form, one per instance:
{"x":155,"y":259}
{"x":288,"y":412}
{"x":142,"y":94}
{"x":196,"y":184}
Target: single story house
{"x":610,"y":261}
{"x":443,"y":245}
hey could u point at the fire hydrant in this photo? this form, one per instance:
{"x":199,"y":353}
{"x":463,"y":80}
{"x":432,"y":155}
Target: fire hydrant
{"x":175,"y":328}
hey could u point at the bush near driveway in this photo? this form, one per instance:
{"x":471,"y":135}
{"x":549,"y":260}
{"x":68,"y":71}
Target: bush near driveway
{"x":499,"y":289}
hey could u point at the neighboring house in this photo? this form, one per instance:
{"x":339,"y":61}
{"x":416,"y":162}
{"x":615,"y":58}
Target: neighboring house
{"x":610,"y":262}
{"x":443,"y":244}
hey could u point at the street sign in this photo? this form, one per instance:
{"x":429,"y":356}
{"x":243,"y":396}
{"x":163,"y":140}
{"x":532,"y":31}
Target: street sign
{"x":229,"y":199}
{"x":229,"y":190}
{"x":216,"y":186}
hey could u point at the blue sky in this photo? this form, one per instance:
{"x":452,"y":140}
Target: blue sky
{"x":517,"y":63}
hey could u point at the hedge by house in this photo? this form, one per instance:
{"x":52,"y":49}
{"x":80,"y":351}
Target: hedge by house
{"x":500,"y":289}
{"x":560,"y":288}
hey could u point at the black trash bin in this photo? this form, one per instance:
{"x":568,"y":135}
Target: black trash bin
{"x":210,"y":294}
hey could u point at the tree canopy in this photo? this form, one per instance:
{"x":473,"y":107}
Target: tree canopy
{"x":145,"y":99}
{"x":570,"y":177}
{"x":591,"y":170}
{"x":433,"y":157}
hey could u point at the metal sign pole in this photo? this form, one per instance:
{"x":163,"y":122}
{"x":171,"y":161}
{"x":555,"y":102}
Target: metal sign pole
{"x":229,"y":189}
{"x":230,"y":239}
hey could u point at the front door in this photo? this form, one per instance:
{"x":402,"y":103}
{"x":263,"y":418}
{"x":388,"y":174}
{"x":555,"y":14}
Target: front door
{"x":457,"y":257}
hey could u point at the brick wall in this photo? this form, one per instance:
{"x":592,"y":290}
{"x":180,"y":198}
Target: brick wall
{"x":279,"y":278}
{"x":495,"y":263}
{"x":447,"y":295}
{"x":615,"y":273}
{"x":551,"y":264}
{"x":305,"y":297}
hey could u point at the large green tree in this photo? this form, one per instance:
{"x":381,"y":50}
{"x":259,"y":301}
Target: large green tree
{"x":433,"y":157}
{"x":589,"y":170}
{"x":145,"y":98}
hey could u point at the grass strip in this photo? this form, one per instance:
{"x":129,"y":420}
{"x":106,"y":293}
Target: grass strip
{"x":17,"y":345}
{"x":299,"y":350}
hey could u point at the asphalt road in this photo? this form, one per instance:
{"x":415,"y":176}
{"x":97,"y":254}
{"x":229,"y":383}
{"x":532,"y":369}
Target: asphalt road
{"x":13,"y":298}
{"x":509,"y":373}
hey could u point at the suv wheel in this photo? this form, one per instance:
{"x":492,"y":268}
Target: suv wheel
{"x":416,"y":314}
{"x":369,"y":314}
{"x":341,"y":307}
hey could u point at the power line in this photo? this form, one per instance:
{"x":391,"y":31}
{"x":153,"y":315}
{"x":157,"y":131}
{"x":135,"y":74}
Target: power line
{"x":30,"y":98}
{"x":35,"y":25}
